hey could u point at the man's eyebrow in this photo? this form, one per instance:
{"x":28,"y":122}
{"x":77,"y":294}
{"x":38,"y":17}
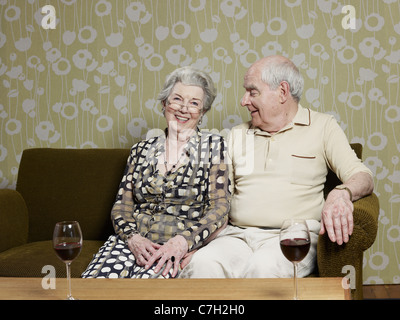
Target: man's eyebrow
{"x":250,"y":87}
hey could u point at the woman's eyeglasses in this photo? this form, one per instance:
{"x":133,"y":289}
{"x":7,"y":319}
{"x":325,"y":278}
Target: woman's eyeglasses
{"x":193,"y":106}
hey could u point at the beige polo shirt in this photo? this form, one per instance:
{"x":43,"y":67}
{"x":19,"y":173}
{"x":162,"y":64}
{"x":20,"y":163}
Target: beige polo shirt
{"x":281,"y":176}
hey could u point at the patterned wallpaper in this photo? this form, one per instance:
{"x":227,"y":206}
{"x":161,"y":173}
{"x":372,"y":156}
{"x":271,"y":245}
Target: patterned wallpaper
{"x":90,"y":78}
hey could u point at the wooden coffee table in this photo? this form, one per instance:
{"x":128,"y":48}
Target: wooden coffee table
{"x":174,"y":289}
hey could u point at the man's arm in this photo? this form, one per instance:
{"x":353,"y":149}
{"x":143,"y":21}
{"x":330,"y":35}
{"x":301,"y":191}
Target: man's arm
{"x":337,"y":213}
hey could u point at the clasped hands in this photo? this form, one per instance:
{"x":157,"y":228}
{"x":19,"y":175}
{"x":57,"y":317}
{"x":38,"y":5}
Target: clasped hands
{"x":337,"y":217}
{"x":173,"y":253}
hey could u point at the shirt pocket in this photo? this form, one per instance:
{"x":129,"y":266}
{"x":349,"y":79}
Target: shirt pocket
{"x":304,"y":169}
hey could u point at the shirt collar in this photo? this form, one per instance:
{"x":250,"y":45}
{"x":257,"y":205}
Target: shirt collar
{"x":302,"y":118}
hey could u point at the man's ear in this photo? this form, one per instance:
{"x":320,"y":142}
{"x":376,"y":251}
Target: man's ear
{"x":284,"y":93}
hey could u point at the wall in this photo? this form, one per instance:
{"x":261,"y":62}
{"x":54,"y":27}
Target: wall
{"x":92,"y":82}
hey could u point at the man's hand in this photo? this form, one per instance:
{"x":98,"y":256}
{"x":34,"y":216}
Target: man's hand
{"x":186,"y":258}
{"x":337,"y":216}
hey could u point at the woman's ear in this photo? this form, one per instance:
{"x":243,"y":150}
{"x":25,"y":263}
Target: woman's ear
{"x":163,"y":108}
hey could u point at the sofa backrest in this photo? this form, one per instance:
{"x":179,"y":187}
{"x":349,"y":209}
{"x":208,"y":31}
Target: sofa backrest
{"x":70,"y":184}
{"x":80,"y":184}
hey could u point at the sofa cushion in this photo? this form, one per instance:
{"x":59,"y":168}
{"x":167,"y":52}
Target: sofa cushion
{"x":29,"y":259}
{"x":70,"y":184}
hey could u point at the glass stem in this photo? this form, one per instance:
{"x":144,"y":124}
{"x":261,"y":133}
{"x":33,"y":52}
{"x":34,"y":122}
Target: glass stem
{"x":295,"y":280}
{"x":69,"y":296}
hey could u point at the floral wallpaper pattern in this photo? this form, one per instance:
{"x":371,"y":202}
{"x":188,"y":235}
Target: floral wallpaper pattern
{"x":90,"y":77}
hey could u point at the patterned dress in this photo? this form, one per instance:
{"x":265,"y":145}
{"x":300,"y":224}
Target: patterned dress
{"x":192,"y":201}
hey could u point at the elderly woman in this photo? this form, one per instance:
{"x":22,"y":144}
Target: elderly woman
{"x":174,"y":195}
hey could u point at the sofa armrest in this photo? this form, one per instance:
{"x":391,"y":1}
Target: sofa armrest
{"x":14,"y":219}
{"x":332,"y":257}
{"x":366,"y":213}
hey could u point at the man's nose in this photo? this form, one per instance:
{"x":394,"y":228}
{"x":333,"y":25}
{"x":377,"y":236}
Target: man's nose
{"x":245,"y":100}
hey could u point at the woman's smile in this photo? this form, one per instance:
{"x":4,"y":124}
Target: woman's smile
{"x":182,"y":119}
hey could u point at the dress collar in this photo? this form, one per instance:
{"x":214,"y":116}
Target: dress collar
{"x":190,"y":148}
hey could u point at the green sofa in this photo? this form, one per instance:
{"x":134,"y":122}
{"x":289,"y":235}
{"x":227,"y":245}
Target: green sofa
{"x":55,"y":185}
{"x":81,"y":184}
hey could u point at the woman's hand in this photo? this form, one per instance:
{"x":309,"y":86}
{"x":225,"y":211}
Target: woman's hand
{"x":170,"y":254}
{"x":143,"y":249}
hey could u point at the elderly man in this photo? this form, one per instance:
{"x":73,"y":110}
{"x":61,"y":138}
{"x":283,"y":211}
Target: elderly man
{"x":280,"y":160}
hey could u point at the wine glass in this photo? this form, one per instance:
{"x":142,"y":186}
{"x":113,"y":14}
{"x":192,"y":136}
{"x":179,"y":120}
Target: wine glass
{"x":294,"y":239}
{"x":67,"y":243}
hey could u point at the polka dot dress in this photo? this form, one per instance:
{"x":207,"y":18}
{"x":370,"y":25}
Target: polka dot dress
{"x":115,"y":260}
{"x":192,"y":201}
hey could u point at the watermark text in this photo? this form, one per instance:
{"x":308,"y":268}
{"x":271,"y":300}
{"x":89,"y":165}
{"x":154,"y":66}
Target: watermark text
{"x":49,"y":280}
{"x":49,"y":20}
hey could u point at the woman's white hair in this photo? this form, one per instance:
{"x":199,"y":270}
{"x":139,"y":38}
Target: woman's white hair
{"x":191,"y":77}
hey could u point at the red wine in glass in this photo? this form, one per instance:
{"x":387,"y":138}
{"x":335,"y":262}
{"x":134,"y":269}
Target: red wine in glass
{"x":294,"y":239}
{"x":295,"y":249}
{"x":68,"y":251}
{"x":67,"y":243}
